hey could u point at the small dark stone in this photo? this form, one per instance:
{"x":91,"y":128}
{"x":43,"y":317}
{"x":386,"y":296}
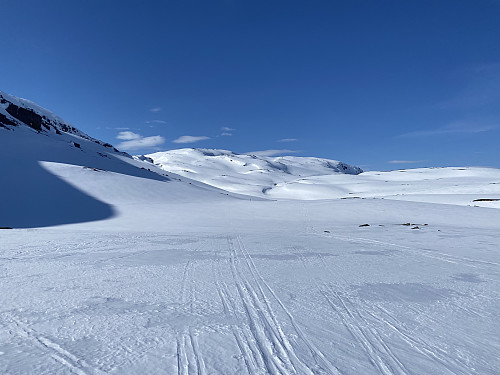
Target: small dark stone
{"x":415,"y":227}
{"x":326,"y":231}
{"x":5,"y":228}
{"x":77,"y":145}
{"x":364,"y":225}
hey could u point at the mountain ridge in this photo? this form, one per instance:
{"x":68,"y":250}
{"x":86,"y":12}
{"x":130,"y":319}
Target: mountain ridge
{"x":15,"y":112}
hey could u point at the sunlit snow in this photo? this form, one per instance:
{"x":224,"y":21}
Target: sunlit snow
{"x":119,"y":266}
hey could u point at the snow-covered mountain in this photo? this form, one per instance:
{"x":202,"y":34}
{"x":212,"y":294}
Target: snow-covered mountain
{"x":245,"y":173}
{"x":52,"y":173}
{"x":17,"y":112}
{"x":304,"y":178}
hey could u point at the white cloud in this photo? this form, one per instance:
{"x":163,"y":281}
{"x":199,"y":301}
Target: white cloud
{"x":225,"y":134}
{"x":134,"y":141}
{"x":271,"y":152}
{"x":155,"y":109}
{"x":405,"y":161}
{"x":190,"y":139}
{"x":287,"y":140}
{"x":145,"y":142}
{"x":122,"y":128}
{"x":128,"y":135}
{"x":226,"y":129}
{"x":453,"y":128}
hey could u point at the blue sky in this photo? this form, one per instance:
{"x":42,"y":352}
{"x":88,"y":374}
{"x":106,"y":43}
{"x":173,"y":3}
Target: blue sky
{"x":380,"y":84}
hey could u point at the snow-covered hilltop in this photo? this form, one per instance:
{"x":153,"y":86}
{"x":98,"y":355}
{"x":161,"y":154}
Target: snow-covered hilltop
{"x":304,"y":178}
{"x":245,"y":173}
{"x":17,"y":112}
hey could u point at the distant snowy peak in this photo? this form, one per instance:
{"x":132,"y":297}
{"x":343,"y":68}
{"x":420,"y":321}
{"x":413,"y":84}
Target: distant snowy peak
{"x":17,"y":112}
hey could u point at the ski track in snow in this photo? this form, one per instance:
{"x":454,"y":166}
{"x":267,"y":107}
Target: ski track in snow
{"x":376,"y":349}
{"x":362,"y":320}
{"x":74,"y":364}
{"x":268,"y":333}
{"x":474,"y":263}
{"x":273,"y":347}
{"x":189,"y":357}
{"x":260,"y":337}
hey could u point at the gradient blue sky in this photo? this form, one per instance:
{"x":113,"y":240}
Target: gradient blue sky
{"x":380,"y":84}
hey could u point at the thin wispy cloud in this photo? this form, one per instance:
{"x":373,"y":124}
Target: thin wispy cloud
{"x":155,"y":109}
{"x":190,"y":139}
{"x":405,"y":161}
{"x":454,"y":128}
{"x":481,"y":87}
{"x":226,"y":131}
{"x":156,"y":122}
{"x":134,"y":141}
{"x":284,"y":140}
{"x":122,"y":128}
{"x":271,"y":152}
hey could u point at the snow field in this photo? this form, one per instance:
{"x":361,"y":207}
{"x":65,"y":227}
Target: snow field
{"x":309,"y":293}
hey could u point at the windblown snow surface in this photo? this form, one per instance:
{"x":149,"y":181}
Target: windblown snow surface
{"x":166,"y":275}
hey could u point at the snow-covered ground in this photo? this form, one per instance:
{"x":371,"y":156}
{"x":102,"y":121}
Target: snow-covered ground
{"x":194,"y":281}
{"x":119,"y":267}
{"x":234,"y":287}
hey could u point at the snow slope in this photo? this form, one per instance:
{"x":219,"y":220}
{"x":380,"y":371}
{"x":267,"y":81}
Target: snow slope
{"x":452,"y":185}
{"x":245,"y":174}
{"x":32,"y":196}
{"x":312,"y":178}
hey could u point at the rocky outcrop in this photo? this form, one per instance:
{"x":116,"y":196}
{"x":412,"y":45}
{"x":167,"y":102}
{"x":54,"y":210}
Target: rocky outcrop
{"x":15,"y":112}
